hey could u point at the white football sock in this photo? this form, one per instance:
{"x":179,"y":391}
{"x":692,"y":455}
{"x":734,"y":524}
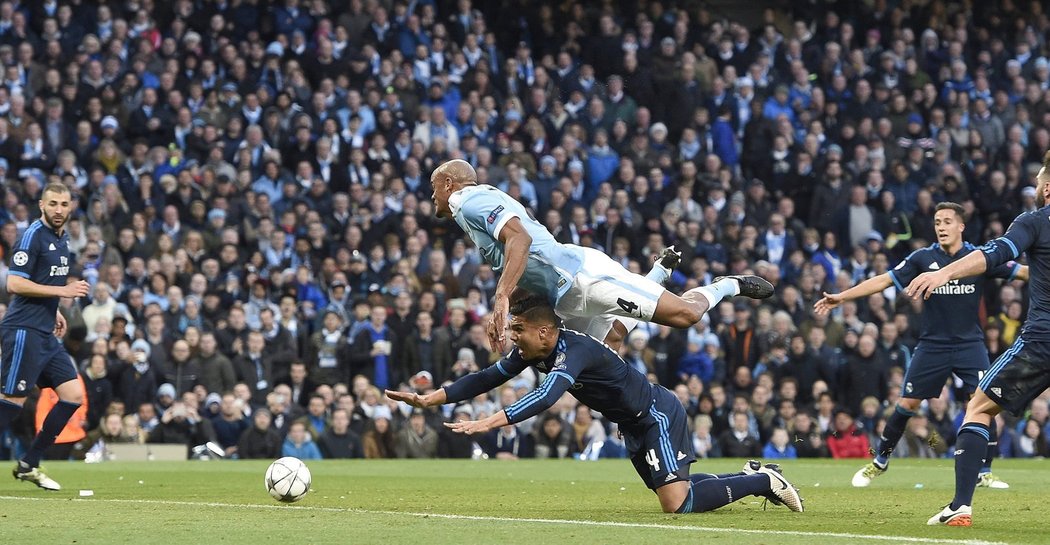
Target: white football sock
{"x":714,"y":293}
{"x":659,"y":273}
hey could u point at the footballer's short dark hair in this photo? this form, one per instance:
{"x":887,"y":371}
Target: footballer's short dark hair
{"x":534,"y":309}
{"x":954,"y":207}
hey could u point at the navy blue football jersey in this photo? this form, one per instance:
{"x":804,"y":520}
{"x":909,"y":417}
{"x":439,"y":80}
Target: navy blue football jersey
{"x":41,"y":256}
{"x":579,"y":364}
{"x":1028,"y":234}
{"x":950,"y":314}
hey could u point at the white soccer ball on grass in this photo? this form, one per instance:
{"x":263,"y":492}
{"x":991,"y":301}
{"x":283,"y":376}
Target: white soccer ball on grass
{"x":288,"y":479}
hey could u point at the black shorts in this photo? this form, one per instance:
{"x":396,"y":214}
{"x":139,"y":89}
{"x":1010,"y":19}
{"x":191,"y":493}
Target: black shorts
{"x":658,"y":443}
{"x":1019,"y":375}
{"x":932,"y":364}
{"x":32,"y":358}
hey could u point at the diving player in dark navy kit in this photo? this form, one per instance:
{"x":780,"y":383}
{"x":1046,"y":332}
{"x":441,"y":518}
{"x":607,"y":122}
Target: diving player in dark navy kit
{"x":1023,"y":371}
{"x":32,"y":354}
{"x":950,"y":341}
{"x":651,"y":419}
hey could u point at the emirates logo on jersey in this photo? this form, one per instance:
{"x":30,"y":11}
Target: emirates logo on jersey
{"x":956,"y":288}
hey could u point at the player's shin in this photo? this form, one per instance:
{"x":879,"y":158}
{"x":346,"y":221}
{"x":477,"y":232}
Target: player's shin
{"x":49,"y":430}
{"x":970,"y":450}
{"x":891,"y":435}
{"x":658,"y":274}
{"x":715,"y":292}
{"x":697,"y":477}
{"x":993,"y":447}
{"x":710,"y":493}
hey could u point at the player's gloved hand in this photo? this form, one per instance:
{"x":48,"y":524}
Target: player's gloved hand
{"x":80,"y":288}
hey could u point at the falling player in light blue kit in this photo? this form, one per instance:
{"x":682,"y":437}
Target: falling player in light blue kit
{"x":589,"y":291}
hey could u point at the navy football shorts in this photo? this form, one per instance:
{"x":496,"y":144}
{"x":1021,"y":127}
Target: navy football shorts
{"x":32,"y":358}
{"x":1019,"y":375}
{"x":658,"y":443}
{"x":933,"y":363}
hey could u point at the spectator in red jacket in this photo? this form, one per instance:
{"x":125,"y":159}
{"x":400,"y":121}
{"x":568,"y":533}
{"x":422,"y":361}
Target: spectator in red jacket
{"x":847,"y":441}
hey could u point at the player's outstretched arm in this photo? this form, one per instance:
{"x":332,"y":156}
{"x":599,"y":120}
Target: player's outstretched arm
{"x":924,"y":284}
{"x":516,"y":242}
{"x":27,"y":288}
{"x":556,"y":384}
{"x":466,"y":387}
{"x":868,"y":287}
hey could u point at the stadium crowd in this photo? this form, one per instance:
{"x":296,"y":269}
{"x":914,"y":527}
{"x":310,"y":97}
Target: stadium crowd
{"x":255,"y":219}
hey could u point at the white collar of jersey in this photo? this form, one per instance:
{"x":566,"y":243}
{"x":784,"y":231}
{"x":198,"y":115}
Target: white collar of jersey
{"x":455,"y":199}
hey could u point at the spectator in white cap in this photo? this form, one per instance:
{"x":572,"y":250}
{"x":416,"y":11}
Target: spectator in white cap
{"x":109,"y":123}
{"x":276,"y":49}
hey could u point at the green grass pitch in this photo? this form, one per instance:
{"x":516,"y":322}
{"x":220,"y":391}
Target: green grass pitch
{"x":534,"y":502}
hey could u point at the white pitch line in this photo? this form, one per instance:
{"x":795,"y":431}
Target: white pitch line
{"x":267,"y":507}
{"x":896,"y":539}
{"x":188,"y":504}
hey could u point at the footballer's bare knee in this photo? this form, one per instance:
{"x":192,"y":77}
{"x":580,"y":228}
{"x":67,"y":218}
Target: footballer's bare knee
{"x":70,"y":392}
{"x":673,"y":495}
{"x":981,"y":409}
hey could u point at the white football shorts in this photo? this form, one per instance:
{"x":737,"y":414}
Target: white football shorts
{"x":604,"y":292}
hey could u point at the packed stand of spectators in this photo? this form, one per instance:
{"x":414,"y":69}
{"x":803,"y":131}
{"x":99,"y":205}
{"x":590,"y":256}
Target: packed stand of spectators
{"x":254,"y":213}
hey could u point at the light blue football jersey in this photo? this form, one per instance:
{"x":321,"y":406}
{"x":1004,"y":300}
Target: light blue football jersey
{"x":482,"y":211}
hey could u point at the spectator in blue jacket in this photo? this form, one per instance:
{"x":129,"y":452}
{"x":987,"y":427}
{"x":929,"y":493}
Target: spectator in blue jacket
{"x":411,"y":36}
{"x":778,"y":105}
{"x":299,"y":444}
{"x":779,"y":446}
{"x":695,"y":361}
{"x":308,"y":290}
{"x":602,"y":162}
{"x":724,"y":138}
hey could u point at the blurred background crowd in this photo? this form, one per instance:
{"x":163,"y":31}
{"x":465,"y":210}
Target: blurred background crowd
{"x":252,"y":179}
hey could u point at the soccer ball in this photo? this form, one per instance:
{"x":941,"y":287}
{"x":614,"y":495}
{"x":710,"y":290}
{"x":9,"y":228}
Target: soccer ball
{"x":287,"y":479}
